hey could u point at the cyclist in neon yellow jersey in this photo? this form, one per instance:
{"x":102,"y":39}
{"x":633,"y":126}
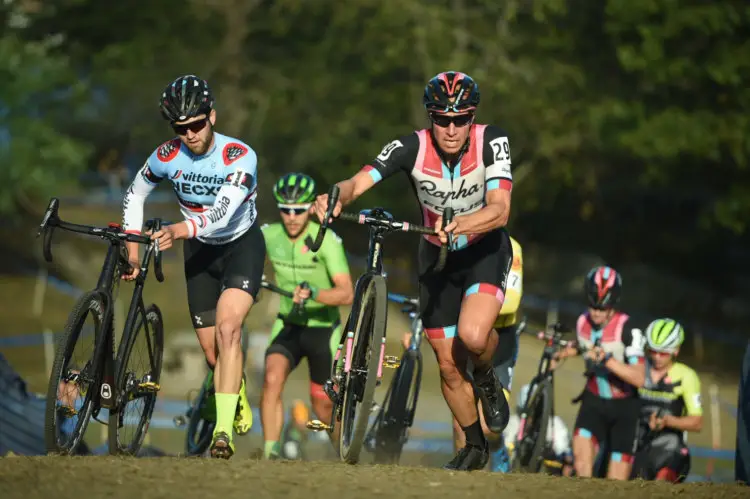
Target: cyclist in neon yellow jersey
{"x":313,"y":332}
{"x":670,"y":406}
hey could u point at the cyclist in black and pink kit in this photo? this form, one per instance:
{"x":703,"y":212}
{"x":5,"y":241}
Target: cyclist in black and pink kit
{"x":615,"y":370}
{"x":459,"y":164}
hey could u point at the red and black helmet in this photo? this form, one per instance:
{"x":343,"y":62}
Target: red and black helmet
{"x":603,"y":287}
{"x":451,"y":91}
{"x":186,"y":97}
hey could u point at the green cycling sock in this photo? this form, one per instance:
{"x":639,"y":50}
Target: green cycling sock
{"x":226,"y":407}
{"x":271,"y":447}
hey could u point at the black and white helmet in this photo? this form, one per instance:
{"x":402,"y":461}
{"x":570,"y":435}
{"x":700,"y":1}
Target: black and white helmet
{"x":186,"y":97}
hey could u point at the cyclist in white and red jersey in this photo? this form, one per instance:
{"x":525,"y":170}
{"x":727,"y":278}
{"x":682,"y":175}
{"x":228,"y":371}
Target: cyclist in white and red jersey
{"x":466,"y":166}
{"x":615,"y":370}
{"x":215,"y":179}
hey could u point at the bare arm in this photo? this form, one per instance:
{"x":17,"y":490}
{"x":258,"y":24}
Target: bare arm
{"x":489,"y":218}
{"x":342,"y":292}
{"x":634,"y":374}
{"x":684,"y":423}
{"x":349,"y":190}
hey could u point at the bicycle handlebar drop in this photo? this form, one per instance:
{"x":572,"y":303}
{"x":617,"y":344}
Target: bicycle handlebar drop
{"x":113,"y":232}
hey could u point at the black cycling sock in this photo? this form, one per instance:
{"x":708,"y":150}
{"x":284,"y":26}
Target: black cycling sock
{"x":474,"y":434}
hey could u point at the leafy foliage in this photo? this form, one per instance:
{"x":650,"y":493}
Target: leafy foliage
{"x":629,"y":119}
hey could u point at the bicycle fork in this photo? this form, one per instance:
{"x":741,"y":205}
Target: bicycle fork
{"x":331,"y":384}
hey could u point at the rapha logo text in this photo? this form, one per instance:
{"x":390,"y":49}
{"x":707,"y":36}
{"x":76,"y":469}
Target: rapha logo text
{"x":431,"y":188}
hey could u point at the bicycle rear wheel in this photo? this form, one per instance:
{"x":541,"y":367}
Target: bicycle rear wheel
{"x":369,"y":331}
{"x":199,"y":429}
{"x":398,"y":412}
{"x":530,"y":444}
{"x":74,"y":379}
{"x":137,"y":383}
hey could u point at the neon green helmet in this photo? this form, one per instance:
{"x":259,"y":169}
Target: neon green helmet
{"x":665,"y":335}
{"x":294,"y":188}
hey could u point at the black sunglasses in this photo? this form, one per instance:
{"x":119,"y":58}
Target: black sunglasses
{"x":296,"y":210}
{"x":195,"y":127}
{"x":445,"y":121}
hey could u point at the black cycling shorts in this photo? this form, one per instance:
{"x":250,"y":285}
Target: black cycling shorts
{"x":482,"y":267}
{"x":210,"y":269}
{"x":314,"y":343}
{"x":666,"y":451}
{"x":614,"y":421}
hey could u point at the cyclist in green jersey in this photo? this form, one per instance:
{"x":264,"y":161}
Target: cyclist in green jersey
{"x":314,"y":331}
{"x":671,"y":406}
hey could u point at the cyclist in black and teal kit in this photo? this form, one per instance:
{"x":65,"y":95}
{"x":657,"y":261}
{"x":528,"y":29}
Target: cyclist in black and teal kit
{"x":314,"y":332}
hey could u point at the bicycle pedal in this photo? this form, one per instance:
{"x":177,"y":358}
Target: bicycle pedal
{"x":68,"y":412}
{"x":149,"y":386}
{"x":391,"y":361}
{"x":552,"y":464}
{"x":179,"y":421}
{"x":317,"y":425}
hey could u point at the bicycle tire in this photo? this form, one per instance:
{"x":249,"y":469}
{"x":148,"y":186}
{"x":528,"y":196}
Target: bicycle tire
{"x":153,"y":317}
{"x":89,"y":302}
{"x":539,"y":408}
{"x":199,"y":430}
{"x":368,"y":336}
{"x":390,"y":438}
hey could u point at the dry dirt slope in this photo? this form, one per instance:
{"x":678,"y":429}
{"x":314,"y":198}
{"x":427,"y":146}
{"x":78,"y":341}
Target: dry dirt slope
{"x":55,"y":477}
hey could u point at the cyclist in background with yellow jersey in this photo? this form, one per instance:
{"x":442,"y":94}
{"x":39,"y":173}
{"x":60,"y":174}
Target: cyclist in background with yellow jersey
{"x":671,"y":407}
{"x":504,"y":360}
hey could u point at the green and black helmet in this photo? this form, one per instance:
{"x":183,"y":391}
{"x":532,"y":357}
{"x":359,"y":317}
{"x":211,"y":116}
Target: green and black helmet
{"x":294,"y":188}
{"x":665,"y":335}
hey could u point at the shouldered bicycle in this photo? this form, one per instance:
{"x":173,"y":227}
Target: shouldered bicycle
{"x":360,"y":356}
{"x":103,"y":379}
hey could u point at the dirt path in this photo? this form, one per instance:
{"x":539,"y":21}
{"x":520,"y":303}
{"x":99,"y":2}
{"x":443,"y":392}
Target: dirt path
{"x":45,"y":477}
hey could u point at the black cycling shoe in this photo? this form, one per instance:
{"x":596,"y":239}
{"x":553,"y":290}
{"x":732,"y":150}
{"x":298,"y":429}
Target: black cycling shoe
{"x":470,"y":458}
{"x":494,"y":406}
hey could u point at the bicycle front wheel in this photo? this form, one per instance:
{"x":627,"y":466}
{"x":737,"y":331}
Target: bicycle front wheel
{"x":369,"y":331}
{"x":138,"y":371}
{"x":200,"y":429}
{"x":74,"y":380}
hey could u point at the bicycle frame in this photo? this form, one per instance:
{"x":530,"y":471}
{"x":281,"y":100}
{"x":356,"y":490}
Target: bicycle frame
{"x":544,"y":374}
{"x":114,"y":262}
{"x":374,"y":267}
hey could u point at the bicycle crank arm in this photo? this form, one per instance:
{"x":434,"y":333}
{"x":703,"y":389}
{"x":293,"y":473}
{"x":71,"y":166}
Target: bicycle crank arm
{"x":331,"y":391}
